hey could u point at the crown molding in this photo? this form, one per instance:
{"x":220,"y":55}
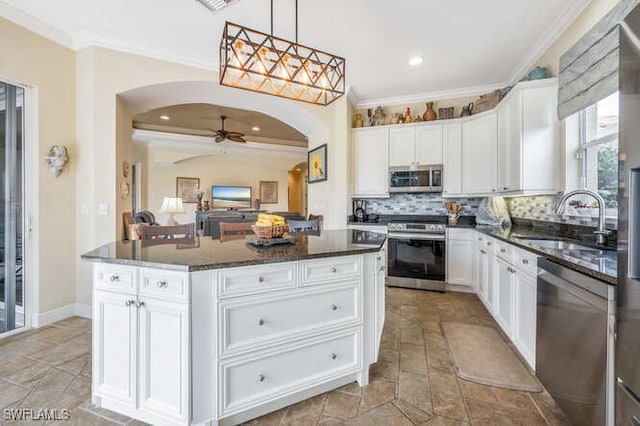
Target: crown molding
{"x":352,"y":96}
{"x":36,"y":25}
{"x":557,"y":28}
{"x":433,"y":96}
{"x":83,"y":40}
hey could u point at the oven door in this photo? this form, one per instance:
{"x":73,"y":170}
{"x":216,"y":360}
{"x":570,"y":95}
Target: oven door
{"x":416,"y":256}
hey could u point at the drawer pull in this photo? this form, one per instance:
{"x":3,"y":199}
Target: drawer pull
{"x":129,"y":302}
{"x":334,"y":356}
{"x":510,"y":269}
{"x":502,"y":250}
{"x":333,"y":269}
{"x":114,"y":278}
{"x":161,"y":284}
{"x":260,"y":321}
{"x":334,"y":307}
{"x":260,"y":279}
{"x":261,"y":377}
{"x":483,"y":252}
{"x":525,"y":261}
{"x":139,"y":304}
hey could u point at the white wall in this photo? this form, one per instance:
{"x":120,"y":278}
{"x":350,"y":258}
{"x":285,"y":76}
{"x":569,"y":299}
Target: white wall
{"x":239,"y":167}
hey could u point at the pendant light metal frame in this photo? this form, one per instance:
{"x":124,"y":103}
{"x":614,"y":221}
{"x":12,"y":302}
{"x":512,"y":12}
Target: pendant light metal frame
{"x":259,"y":62}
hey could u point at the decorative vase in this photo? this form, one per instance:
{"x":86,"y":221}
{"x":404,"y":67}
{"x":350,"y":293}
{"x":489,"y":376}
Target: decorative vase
{"x":378,"y":117}
{"x":206,"y":206}
{"x":407,"y":116}
{"x":357,"y":121}
{"x":199,"y":198}
{"x":395,"y":118}
{"x":429,"y":114}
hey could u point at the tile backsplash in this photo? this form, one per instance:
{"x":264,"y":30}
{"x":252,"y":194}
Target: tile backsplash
{"x":542,"y":207}
{"x":419,"y":204}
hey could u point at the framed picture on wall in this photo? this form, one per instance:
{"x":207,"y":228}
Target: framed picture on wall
{"x":186,"y":189}
{"x":268,"y":192}
{"x":317,"y":164}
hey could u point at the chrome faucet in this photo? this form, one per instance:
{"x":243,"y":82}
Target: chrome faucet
{"x":601,"y":233}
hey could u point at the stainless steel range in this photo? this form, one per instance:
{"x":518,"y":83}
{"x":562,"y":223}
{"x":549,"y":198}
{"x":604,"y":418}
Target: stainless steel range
{"x":416,"y":255}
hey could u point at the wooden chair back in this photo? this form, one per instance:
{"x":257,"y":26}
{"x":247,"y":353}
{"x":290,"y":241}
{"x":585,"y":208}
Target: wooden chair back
{"x":181,"y":231}
{"x":235,"y":230}
{"x":304,"y":226}
{"x":127,"y":219}
{"x":318,"y":217}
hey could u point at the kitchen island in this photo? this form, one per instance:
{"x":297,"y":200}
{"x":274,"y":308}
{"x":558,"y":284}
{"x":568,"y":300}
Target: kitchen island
{"x":209,"y":332}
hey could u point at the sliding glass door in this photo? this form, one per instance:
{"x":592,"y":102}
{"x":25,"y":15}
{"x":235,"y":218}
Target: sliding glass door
{"x":12,"y":295}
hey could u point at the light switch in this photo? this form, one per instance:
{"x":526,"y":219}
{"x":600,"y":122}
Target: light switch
{"x":103,"y":209}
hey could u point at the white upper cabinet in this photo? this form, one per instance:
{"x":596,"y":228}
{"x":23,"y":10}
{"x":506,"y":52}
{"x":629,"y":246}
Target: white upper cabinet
{"x":415,"y":145}
{"x":452,"y":159}
{"x":479,"y":154}
{"x":369,"y":165}
{"x":528,"y":139}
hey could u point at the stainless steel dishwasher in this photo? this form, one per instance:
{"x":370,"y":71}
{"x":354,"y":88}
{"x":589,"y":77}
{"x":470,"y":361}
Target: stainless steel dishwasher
{"x":575,"y":341}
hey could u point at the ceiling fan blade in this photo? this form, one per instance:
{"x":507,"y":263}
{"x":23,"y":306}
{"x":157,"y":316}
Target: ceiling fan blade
{"x":236,"y":138}
{"x":235,"y":134}
{"x":219,"y":138}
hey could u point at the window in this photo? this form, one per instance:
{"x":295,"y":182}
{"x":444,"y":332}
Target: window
{"x":599,"y":141}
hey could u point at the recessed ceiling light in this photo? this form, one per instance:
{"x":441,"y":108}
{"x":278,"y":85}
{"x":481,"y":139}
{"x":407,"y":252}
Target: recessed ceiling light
{"x":255,"y":128}
{"x":164,"y":117}
{"x":416,"y":60}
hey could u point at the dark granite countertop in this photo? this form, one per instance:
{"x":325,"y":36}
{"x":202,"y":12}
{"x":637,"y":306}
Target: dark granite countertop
{"x":600,"y":264}
{"x":383,"y":220}
{"x":206,"y":253}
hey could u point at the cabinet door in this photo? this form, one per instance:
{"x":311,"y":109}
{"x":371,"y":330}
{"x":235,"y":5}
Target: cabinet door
{"x":164,"y":358}
{"x":503,"y":279}
{"x":525,"y":316}
{"x":484,"y":276}
{"x":428,"y":147}
{"x":509,"y":144}
{"x":479,"y":156}
{"x":459,"y":269}
{"x":452,"y":158}
{"x":401,"y":146}
{"x":370,"y":168}
{"x":114,"y":346}
{"x":381,"y":259}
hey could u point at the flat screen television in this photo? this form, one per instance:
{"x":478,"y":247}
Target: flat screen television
{"x":230,"y":197}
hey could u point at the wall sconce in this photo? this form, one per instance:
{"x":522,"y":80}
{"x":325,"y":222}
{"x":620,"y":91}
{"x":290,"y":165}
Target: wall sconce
{"x":57,"y":158}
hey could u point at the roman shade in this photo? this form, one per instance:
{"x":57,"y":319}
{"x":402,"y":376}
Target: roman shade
{"x":589,"y":69}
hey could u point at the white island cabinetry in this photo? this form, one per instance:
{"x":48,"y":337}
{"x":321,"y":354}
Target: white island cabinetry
{"x":222,"y":346}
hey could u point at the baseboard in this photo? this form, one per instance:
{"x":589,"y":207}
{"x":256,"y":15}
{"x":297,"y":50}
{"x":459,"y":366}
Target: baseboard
{"x":460,"y":288}
{"x":45,"y":318}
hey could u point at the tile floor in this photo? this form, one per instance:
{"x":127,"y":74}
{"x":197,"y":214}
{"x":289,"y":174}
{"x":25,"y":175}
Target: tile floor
{"x":414,"y":381}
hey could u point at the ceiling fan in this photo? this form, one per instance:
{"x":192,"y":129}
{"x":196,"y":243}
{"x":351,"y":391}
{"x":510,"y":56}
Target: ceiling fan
{"x":222,"y":134}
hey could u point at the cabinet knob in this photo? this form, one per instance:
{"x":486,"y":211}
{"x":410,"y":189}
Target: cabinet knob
{"x":261,"y":377}
{"x":139,"y":304}
{"x":114,"y":278}
{"x":510,"y":269}
{"x":129,"y":302}
{"x":525,"y":261}
{"x":489,"y":243}
{"x":483,"y":252}
{"x":161,"y":284}
{"x":504,"y":188}
{"x":334,"y":356}
{"x":334,"y":307}
{"x":260,"y":279}
{"x":493,"y":190}
{"x":333,"y":269}
{"x":503,"y":250}
{"x":260,"y":321}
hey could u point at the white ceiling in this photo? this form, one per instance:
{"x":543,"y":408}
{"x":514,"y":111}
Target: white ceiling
{"x":467,"y":45}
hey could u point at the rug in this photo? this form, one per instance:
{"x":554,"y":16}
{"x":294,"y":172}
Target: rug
{"x":482,"y":356}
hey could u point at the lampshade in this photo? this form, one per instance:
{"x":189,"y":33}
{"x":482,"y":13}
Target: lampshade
{"x":172,"y":205}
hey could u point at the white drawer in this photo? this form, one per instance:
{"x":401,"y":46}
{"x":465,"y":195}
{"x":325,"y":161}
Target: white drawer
{"x":526,"y":261}
{"x":248,"y":381}
{"x":461,"y":234}
{"x":256,"y":279}
{"x":319,"y":271}
{"x":171,"y":285}
{"x":246,"y":324}
{"x":505,"y":251}
{"x":114,"y":277}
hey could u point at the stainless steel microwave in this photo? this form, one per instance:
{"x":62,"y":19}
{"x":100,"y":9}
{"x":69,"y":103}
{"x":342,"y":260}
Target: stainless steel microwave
{"x":416,"y":179}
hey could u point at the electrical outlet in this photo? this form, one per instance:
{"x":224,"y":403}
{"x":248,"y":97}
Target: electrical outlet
{"x":103,"y":209}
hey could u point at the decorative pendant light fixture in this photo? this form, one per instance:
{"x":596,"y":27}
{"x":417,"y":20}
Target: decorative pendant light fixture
{"x":253,"y":60}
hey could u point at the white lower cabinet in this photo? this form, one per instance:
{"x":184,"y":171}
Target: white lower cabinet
{"x":141,"y":356}
{"x":505,"y":281}
{"x":460,"y":250}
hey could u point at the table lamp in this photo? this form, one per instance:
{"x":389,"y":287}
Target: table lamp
{"x":172,"y":206}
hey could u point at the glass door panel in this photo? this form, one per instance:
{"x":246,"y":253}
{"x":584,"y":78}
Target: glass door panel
{"x":11,"y":213}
